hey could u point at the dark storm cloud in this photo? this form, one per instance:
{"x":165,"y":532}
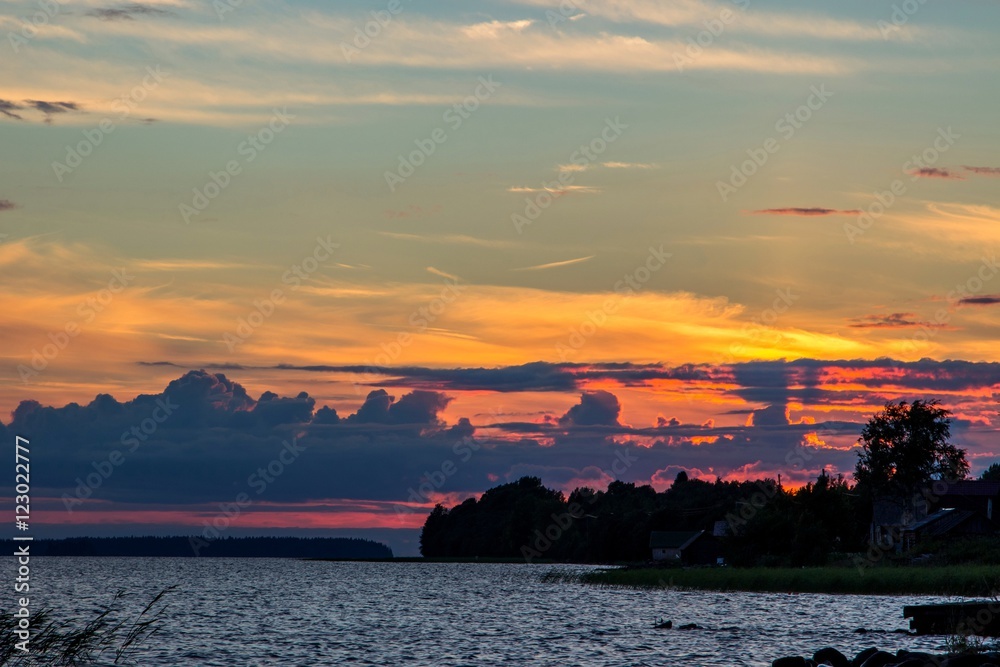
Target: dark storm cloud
{"x":126,"y":12}
{"x":535,"y":376}
{"x":765,"y":382}
{"x":595,"y":408}
{"x":418,"y":407}
{"x":204,"y":435}
{"x":201,"y":438}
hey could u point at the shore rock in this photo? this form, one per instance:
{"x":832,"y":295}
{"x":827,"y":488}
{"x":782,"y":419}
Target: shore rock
{"x":880,"y":659}
{"x":860,"y":658}
{"x":831,"y":656}
{"x":791,"y":661}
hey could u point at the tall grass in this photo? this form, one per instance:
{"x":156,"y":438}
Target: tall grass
{"x":107,"y":636}
{"x":966,"y":580}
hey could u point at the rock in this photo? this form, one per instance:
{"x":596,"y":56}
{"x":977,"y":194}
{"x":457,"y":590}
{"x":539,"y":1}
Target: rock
{"x":690,"y":626}
{"x":860,"y":658}
{"x":830,"y":656}
{"x":914,"y":662}
{"x":920,"y":656}
{"x":879,"y":659}
{"x":792,"y":661}
{"x":966,"y":660}
{"x":664,"y":625}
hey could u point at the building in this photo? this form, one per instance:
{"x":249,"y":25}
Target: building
{"x":974,"y":495}
{"x":688,"y":547}
{"x":891,"y":515}
{"x":947,"y":522}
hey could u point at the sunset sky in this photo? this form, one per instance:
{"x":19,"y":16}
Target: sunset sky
{"x":709,"y":236}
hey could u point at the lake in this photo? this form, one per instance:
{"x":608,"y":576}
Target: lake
{"x":257,"y":612}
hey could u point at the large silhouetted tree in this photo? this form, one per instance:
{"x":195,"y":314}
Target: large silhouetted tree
{"x":905,"y":446}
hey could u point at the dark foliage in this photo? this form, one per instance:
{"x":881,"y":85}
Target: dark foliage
{"x":905,"y":446}
{"x":766,"y":524}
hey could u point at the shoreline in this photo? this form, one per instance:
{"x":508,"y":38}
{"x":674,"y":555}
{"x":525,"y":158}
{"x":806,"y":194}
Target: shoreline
{"x":967,"y":580}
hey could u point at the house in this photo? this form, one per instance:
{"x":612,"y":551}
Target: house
{"x":689,"y":547}
{"x":953,"y":509}
{"x":950,"y":522}
{"x":891,"y":514}
{"x":974,"y":495}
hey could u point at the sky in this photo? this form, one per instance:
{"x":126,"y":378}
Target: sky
{"x":584,"y":240}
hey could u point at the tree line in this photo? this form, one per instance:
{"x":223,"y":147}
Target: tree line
{"x":902,"y":448}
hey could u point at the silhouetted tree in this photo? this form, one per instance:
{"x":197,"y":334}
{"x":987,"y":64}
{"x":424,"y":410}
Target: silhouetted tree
{"x":991,"y":474}
{"x":905,"y":446}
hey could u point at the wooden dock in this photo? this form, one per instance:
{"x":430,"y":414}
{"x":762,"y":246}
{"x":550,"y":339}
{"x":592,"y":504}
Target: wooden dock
{"x":965,"y":618}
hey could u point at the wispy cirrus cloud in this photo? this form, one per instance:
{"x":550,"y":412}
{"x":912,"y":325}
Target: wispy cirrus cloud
{"x":126,"y":12}
{"x":556,"y":265}
{"x":566,"y":189}
{"x":694,"y":13}
{"x":813,"y":211}
{"x":630,"y":165}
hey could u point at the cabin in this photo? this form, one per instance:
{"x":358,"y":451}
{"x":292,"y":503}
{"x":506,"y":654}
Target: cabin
{"x":688,"y":547}
{"x":891,"y":515}
{"x":945,"y":509}
{"x":973,"y":495}
{"x":947,"y":522}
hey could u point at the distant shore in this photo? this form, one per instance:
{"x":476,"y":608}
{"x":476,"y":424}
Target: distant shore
{"x":964,"y":580}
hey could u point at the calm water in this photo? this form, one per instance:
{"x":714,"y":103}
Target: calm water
{"x":285,"y":612}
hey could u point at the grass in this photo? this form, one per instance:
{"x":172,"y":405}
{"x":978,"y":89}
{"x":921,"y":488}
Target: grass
{"x":107,"y":636}
{"x":965,"y":580}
